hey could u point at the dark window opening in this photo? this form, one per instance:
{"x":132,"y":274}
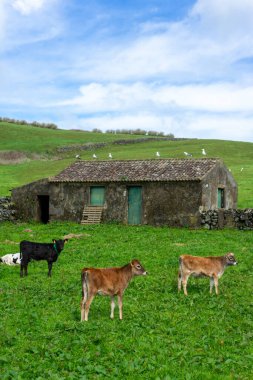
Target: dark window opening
{"x":43,"y":208}
{"x":221,"y":198}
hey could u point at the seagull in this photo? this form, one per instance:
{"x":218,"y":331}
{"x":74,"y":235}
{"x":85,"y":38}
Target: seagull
{"x":157,"y":154}
{"x":94,"y":156}
{"x":241,"y":169}
{"x":78,"y":156}
{"x":110,"y":155}
{"x":203,"y":152}
{"x":187,"y":154}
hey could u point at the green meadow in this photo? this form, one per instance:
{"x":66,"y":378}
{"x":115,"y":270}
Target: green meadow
{"x":164,"y":335}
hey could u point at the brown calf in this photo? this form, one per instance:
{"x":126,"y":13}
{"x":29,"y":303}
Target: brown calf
{"x":212,"y":267}
{"x":108,"y":282}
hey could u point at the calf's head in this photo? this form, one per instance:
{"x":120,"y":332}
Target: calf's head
{"x":137,"y":268}
{"x":230,"y":259}
{"x":59,"y":244}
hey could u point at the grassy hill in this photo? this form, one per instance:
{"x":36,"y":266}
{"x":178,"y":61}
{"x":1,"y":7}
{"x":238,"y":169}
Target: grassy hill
{"x":28,"y":153}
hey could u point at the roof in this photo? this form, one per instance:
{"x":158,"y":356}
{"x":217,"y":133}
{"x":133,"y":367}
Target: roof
{"x":136,"y":170}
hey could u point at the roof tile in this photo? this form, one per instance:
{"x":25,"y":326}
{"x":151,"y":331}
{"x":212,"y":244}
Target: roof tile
{"x":136,"y":170}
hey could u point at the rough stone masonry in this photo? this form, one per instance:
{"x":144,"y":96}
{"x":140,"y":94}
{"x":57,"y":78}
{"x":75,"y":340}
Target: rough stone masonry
{"x":7,"y":212}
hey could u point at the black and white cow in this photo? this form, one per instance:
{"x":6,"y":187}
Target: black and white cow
{"x":40,"y":251}
{"x":11,"y":259}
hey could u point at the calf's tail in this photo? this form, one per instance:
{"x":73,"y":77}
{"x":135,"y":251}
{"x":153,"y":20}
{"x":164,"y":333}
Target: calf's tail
{"x":180,"y":267}
{"x":84,"y":280}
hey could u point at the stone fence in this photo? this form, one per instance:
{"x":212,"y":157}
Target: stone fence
{"x":231,"y":218}
{"x":210,"y":219}
{"x":7,"y":212}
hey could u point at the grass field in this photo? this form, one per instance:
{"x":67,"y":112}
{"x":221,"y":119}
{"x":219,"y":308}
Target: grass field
{"x":45,"y":141}
{"x":40,"y":146}
{"x":164,"y":335}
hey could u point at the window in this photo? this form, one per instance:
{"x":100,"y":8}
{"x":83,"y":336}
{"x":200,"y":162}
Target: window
{"x":221,"y":198}
{"x":97,"y":195}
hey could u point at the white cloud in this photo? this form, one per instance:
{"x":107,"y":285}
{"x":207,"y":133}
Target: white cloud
{"x":228,"y":127}
{"x":113,"y":97}
{"x":144,"y":121}
{"x":226,"y":18}
{"x":204,"y":45}
{"x":221,"y":97}
{"x":193,"y":125}
{"x":216,"y":111}
{"x":17,"y":31}
{"x":97,"y":97}
{"x":26,"y":7}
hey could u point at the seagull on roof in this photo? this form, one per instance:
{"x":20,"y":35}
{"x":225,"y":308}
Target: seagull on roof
{"x":203,"y":152}
{"x":110,"y":155}
{"x":187,"y":154}
{"x":94,"y":156}
{"x":157,"y":154}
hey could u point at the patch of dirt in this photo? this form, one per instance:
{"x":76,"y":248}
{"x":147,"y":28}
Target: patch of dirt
{"x":12,"y":157}
{"x":10,"y":242}
{"x":74,"y":236}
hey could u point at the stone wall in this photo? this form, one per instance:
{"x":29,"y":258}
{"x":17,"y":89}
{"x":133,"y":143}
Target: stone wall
{"x":7,"y":212}
{"x":231,"y":218}
{"x":25,"y":199}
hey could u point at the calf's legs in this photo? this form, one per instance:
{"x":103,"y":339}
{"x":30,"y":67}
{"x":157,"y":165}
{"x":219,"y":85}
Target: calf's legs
{"x":184,"y":281}
{"x":112,"y":307}
{"x":120,"y":303}
{"x":23,"y":269}
{"x":179,"y":282}
{"x":50,"y":264}
{"x":215,"y":278}
{"x":86,"y":300}
{"x":214,"y":281}
{"x":86,"y":307}
{"x":211,"y":284}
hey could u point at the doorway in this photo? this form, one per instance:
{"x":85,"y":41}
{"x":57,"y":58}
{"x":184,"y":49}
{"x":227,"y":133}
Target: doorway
{"x":43,"y":214}
{"x":134,"y":204}
{"x":221,"y":198}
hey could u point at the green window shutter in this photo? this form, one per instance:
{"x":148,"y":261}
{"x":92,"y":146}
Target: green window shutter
{"x":97,"y":195}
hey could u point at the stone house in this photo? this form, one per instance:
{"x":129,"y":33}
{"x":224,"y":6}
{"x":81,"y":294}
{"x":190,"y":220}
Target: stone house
{"x":169,"y":192}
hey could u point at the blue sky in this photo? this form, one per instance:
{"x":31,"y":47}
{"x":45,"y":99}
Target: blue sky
{"x":181,"y":67}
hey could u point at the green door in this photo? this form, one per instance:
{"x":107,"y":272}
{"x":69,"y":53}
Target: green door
{"x":97,"y":195}
{"x":134,"y":205}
